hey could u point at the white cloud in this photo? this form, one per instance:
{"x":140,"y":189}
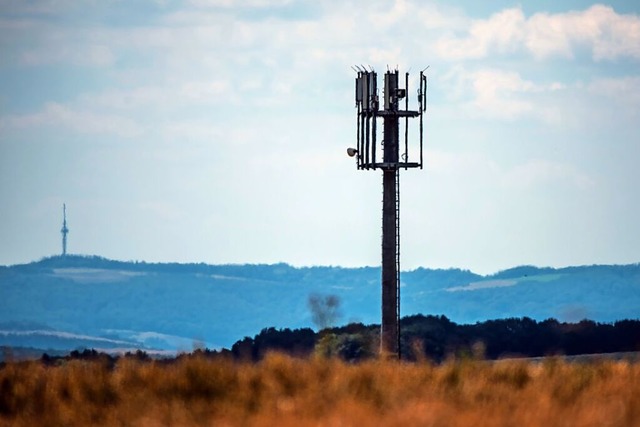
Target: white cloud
{"x":503,"y":32}
{"x":163,"y":210}
{"x":546,"y":174}
{"x":392,"y":16}
{"x":33,"y":42}
{"x":491,"y":93}
{"x":612,"y":35}
{"x":607,"y":34}
{"x":210,"y":40}
{"x":498,"y":93}
{"x":35,"y":7}
{"x":623,"y":91}
{"x":57,"y":115}
{"x":243,"y":3}
{"x":205,"y":91}
{"x":95,"y":56}
{"x":446,"y":163}
{"x":477,"y":170}
{"x":198,"y":130}
{"x":239,"y":91}
{"x":142,"y":96}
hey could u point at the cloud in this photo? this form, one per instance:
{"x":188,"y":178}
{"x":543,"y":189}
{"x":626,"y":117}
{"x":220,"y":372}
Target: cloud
{"x":447,"y":163}
{"x":607,"y":34}
{"x":94,"y":55}
{"x":58,"y":115}
{"x":498,"y":94}
{"x":479,"y":171}
{"x":244,"y":3}
{"x":208,"y":58}
{"x":623,"y":91}
{"x":546,"y":173}
{"x":213,"y":39}
{"x":163,"y":210}
{"x":503,"y":32}
{"x":39,"y":7}
{"x":198,"y":130}
{"x":34,"y":41}
{"x":171,"y":95}
{"x":505,"y":95}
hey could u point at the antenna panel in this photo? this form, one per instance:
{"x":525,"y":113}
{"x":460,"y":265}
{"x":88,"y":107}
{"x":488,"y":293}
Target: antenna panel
{"x":422,"y":93}
{"x":387,"y":93}
{"x":365,"y":91}
{"x":395,"y":115}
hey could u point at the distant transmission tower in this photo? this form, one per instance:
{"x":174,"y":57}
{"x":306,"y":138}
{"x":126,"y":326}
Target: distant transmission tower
{"x":64,"y":229}
{"x":393,"y":159}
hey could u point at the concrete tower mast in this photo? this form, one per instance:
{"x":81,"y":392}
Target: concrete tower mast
{"x":394,"y":157}
{"x":64,"y":230}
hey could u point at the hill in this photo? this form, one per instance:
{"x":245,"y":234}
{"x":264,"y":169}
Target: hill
{"x":88,"y":301}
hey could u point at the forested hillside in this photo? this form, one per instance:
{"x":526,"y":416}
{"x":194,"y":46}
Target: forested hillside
{"x":79,"y":301}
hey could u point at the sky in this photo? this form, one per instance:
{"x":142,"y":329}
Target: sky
{"x":216,"y":131}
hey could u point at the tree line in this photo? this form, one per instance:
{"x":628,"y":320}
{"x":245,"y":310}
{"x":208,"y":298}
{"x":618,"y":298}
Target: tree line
{"x":436,"y":338}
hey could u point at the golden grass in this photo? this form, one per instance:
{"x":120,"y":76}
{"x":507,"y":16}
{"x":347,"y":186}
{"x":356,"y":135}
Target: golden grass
{"x":285,"y":391}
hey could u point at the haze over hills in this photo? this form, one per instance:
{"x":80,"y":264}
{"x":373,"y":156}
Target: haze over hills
{"x":89,"y":301}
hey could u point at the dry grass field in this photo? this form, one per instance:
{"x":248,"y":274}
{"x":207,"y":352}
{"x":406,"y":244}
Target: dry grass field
{"x":285,"y":391}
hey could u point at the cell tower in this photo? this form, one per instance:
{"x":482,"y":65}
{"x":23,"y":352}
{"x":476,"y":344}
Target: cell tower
{"x":64,"y":229}
{"x":394,"y":158}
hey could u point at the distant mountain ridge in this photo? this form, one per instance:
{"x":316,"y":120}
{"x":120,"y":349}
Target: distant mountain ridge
{"x":177,"y":306}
